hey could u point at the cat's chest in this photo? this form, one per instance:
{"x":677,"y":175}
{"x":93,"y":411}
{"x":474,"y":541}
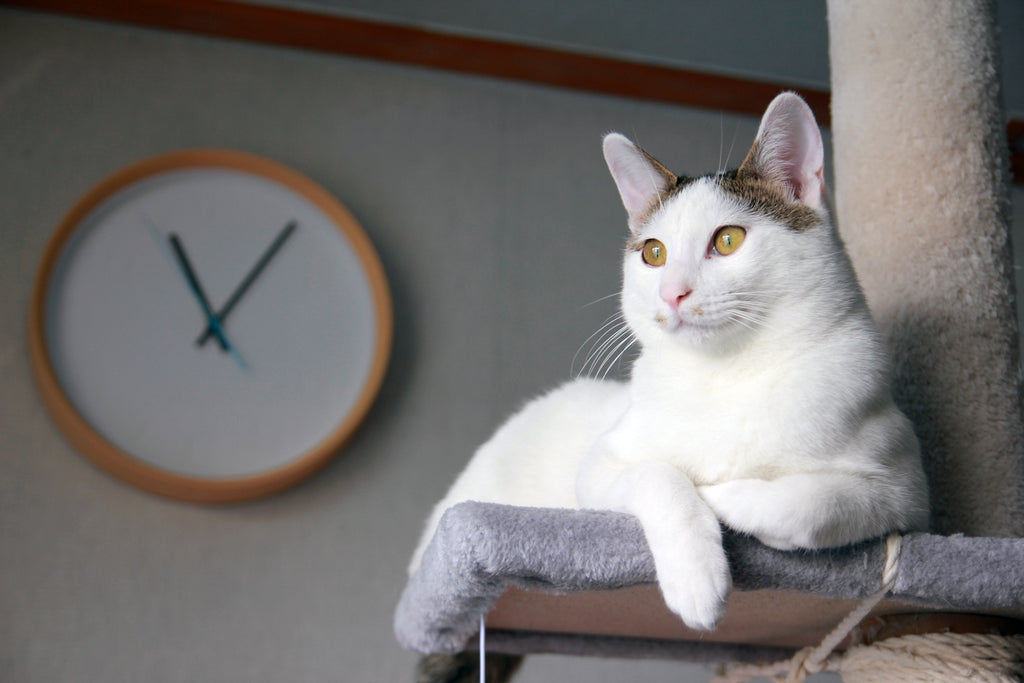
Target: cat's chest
{"x":721,"y":422}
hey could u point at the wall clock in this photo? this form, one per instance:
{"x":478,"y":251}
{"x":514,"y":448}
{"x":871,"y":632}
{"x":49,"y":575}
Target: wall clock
{"x":209,"y":325}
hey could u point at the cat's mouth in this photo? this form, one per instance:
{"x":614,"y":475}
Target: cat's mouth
{"x":689,"y":320}
{"x":691,"y":317}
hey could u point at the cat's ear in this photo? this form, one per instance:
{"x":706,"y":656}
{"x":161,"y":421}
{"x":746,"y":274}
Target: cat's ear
{"x":788,"y":151}
{"x":641,"y":180}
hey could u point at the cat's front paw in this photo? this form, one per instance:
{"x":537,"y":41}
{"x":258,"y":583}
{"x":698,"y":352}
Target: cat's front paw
{"x":695,"y":584}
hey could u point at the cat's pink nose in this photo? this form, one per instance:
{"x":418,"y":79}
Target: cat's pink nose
{"x":674,"y":297}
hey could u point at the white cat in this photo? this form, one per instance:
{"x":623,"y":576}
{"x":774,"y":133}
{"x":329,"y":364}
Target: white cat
{"x":761,"y":398}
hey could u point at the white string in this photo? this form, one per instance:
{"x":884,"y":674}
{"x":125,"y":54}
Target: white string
{"x":817,"y":655}
{"x":812,"y":660}
{"x":483,"y":639}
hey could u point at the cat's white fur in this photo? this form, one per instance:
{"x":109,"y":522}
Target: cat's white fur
{"x":761,"y":397}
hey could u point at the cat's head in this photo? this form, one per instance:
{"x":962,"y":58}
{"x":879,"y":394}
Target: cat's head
{"x":711,"y":259}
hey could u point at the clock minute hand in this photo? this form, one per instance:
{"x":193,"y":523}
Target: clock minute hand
{"x":197,"y":289}
{"x":250,"y":277}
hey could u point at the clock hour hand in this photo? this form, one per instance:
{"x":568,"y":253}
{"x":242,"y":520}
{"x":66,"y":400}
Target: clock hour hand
{"x":249,"y":278}
{"x":212,"y":321}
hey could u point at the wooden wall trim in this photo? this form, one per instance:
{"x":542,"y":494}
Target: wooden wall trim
{"x":422,"y":47}
{"x":426,"y":48}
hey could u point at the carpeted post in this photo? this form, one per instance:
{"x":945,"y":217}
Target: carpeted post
{"x":922,"y":203}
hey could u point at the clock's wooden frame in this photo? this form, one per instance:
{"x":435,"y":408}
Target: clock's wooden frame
{"x":130,"y":469}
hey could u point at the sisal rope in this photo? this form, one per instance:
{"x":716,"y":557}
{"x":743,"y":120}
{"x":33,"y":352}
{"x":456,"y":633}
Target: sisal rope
{"x":932,"y":657}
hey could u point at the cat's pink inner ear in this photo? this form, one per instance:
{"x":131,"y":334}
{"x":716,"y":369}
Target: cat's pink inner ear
{"x":790,"y":152}
{"x":641,"y":180}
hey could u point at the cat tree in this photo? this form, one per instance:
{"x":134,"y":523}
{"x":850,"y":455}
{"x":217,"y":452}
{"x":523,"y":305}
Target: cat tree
{"x":921,"y":201}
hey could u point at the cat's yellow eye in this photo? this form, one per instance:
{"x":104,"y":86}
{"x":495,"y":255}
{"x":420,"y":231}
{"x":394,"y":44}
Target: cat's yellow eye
{"x":728,"y":239}
{"x":654,"y":253}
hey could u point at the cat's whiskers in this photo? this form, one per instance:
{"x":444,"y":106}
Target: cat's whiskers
{"x":756,"y":318}
{"x":746,"y":319}
{"x":604,"y":336}
{"x":721,"y":143}
{"x":827,"y":256}
{"x":615,"y":355}
{"x":610,"y":322}
{"x":749,"y":309}
{"x":597,"y":354}
{"x":739,"y":295}
{"x":723,"y":164}
{"x":754,"y":302}
{"x":598,"y":358}
{"x":732,"y":145}
{"x":603,"y":298}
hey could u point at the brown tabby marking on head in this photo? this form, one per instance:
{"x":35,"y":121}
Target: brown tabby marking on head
{"x":763,"y":196}
{"x":747,"y":184}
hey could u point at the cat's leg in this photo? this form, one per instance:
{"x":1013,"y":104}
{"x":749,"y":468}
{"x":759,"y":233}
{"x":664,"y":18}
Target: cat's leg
{"x":817,"y":509}
{"x":681,"y":530}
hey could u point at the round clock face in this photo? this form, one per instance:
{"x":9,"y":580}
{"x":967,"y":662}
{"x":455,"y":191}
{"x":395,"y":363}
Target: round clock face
{"x":210,"y":325}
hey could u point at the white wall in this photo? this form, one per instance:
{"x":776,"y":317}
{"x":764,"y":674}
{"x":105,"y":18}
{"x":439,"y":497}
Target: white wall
{"x":497,"y":225}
